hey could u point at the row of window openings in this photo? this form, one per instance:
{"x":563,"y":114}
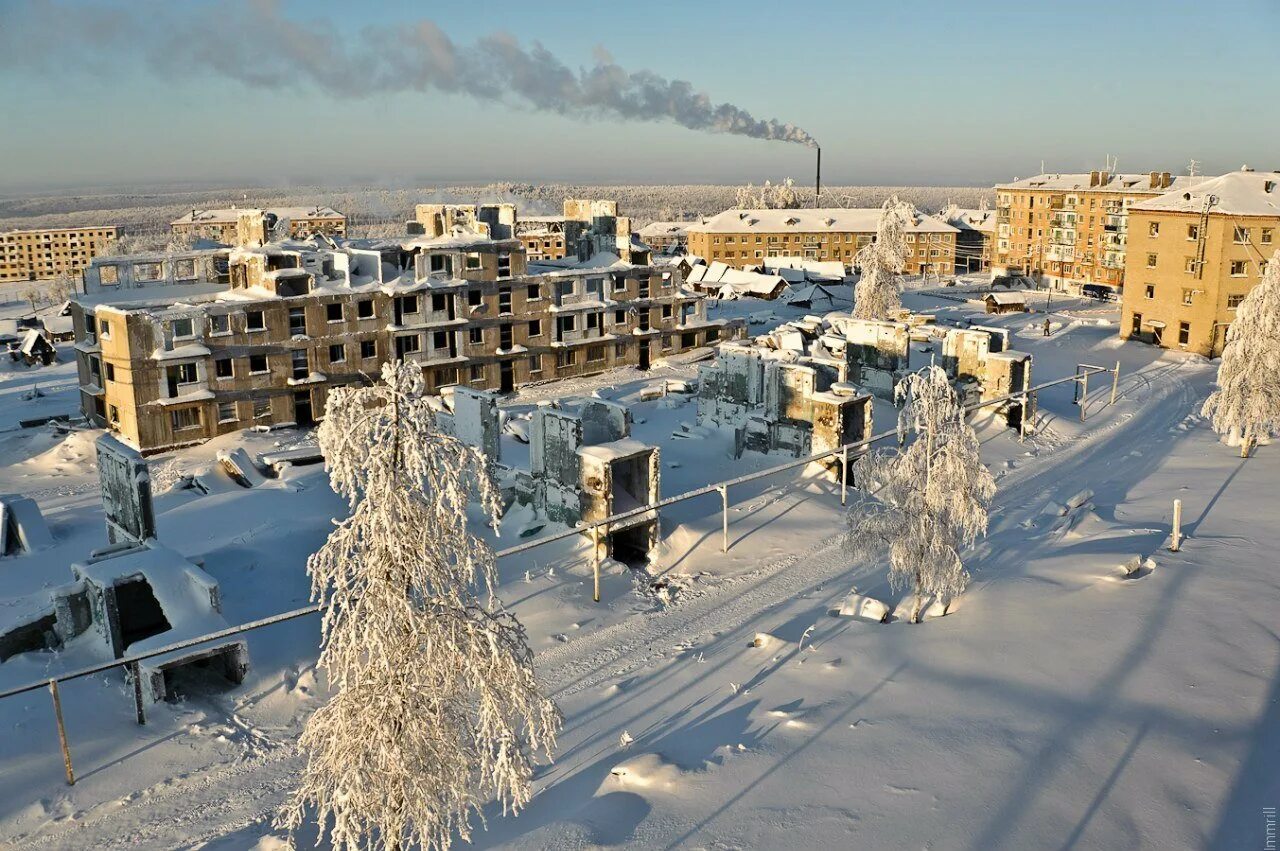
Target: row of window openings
{"x":255,"y":320}
{"x":1238,"y":268}
{"x":1188,"y":297}
{"x":184,"y":419}
{"x":1239,"y":235}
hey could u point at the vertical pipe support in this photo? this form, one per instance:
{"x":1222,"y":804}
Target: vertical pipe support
{"x":844,"y":474}
{"x":62,"y":732}
{"x":724,"y":518}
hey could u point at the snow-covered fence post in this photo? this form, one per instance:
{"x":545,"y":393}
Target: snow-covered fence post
{"x":844,"y":473}
{"x":1115,"y":382}
{"x":1084,"y":392}
{"x":1175,"y":543}
{"x":724,"y":518}
{"x":136,"y":670}
{"x":62,"y":732}
{"x":595,"y":561}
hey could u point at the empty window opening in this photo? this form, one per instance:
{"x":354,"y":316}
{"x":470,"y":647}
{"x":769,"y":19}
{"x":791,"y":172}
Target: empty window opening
{"x":138,"y":611}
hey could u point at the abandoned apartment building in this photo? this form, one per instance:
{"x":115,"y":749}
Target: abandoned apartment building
{"x":176,"y":348}
{"x":246,"y":226}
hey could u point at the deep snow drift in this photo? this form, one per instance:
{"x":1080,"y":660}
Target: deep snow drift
{"x":1060,"y":703}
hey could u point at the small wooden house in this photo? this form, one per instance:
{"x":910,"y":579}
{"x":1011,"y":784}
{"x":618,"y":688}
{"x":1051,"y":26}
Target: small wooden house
{"x":1014,"y":302}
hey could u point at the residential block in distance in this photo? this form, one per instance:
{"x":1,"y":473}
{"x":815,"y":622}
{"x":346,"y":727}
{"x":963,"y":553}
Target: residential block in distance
{"x":44,"y":253}
{"x":742,"y":238}
{"x":1069,"y":230}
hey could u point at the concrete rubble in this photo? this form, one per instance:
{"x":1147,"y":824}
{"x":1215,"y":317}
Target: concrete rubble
{"x":134,"y":595}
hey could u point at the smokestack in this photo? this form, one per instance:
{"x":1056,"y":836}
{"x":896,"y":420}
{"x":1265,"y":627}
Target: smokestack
{"x":817,"y":182}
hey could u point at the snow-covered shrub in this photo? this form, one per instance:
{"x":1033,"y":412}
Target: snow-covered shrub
{"x":1247,"y":401}
{"x":434,"y":708}
{"x":926,"y":502}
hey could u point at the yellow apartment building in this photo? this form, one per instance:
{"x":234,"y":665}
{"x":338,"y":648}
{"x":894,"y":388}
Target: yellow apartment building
{"x":1193,"y":256}
{"x":1072,"y":229}
{"x":742,"y":238}
{"x":42,"y":254}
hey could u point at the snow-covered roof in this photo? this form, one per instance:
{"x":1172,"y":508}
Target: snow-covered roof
{"x":31,"y":340}
{"x":979,"y":220}
{"x":1006,"y":298}
{"x":58,"y":324}
{"x":806,"y":268}
{"x":821,"y":220}
{"x":664,"y":229}
{"x":1119,"y":183}
{"x":1238,"y":193}
{"x":720,"y":274}
{"x":228,"y":215}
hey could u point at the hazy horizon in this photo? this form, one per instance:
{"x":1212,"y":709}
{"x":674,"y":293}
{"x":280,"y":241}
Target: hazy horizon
{"x":281,"y":92}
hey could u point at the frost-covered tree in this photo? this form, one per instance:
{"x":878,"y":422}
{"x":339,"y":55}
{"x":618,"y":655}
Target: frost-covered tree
{"x":785,"y":196}
{"x":926,"y":502}
{"x":879,"y":289}
{"x":1247,"y":401}
{"x":434,"y":709}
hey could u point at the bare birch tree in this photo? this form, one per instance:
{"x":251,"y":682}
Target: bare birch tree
{"x":1247,"y":401}
{"x":878,"y":294}
{"x":434,"y":708}
{"x":926,"y":502}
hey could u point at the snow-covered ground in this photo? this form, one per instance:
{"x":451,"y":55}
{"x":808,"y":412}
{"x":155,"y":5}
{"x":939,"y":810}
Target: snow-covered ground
{"x":1058,"y":705}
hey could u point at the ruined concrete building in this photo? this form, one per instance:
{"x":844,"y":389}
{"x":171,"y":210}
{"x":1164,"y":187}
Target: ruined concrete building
{"x":778,"y":400}
{"x":134,"y":595}
{"x":978,"y":360}
{"x":584,"y":466}
{"x":806,"y":387}
{"x":176,"y":348}
{"x":249,"y":226}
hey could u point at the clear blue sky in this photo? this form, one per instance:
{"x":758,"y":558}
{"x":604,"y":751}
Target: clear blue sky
{"x":914,"y":93}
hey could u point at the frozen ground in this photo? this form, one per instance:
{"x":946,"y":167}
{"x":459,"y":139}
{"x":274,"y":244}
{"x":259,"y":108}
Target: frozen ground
{"x":1058,"y":705}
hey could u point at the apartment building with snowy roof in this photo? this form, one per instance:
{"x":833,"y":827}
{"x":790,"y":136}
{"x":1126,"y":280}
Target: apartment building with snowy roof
{"x":666,"y":237}
{"x":1068,"y":230}
{"x":742,"y":238}
{"x":244,"y":226}
{"x":41,"y":254}
{"x":975,"y":237}
{"x":176,"y":348}
{"x":1194,"y":254}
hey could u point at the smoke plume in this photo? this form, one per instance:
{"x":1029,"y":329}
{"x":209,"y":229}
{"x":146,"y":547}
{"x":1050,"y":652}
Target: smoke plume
{"x":251,"y":41}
